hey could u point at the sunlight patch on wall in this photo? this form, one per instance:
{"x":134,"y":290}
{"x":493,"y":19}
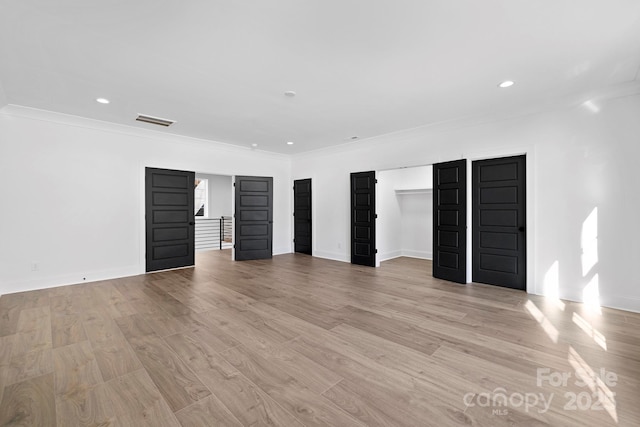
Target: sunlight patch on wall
{"x":551,"y":285}
{"x":589,"y":242}
{"x":591,"y":295}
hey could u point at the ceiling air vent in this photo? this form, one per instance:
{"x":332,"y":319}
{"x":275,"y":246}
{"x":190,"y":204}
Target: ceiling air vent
{"x":154,"y":120}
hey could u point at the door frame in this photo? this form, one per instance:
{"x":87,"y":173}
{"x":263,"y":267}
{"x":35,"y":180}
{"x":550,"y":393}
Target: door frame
{"x":382,"y":220}
{"x":529,"y":152}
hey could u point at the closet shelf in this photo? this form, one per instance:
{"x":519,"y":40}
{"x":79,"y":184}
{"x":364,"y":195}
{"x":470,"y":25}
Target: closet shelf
{"x":402,"y":191}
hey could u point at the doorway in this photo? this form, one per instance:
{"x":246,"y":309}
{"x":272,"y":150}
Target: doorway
{"x":404,"y":199}
{"x":253,"y":218}
{"x":171,"y":213}
{"x":302,"y":219}
{"x":169,"y":219}
{"x":450,"y":221}
{"x":214,"y":212}
{"x":499,"y":222}
{"x":363,"y":218}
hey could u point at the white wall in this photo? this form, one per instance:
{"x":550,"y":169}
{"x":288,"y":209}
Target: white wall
{"x":3,"y":97}
{"x":417,"y":213}
{"x":220,"y":194}
{"x":578,"y":159}
{"x":86,"y":221}
{"x":419,"y":177}
{"x":417,"y":224}
{"x":389,"y":223}
{"x":404,"y":219}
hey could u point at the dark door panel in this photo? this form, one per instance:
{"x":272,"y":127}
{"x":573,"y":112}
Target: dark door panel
{"x":450,"y":221}
{"x":302,"y":216}
{"x":363,"y":218}
{"x":253,"y":218}
{"x":169,"y":218}
{"x":499,"y":233}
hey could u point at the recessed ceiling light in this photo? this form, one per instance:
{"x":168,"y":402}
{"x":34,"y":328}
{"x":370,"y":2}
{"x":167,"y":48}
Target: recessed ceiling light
{"x":254,"y":145}
{"x":290,"y":143}
{"x":290,"y":93}
{"x":102,"y":100}
{"x":506,"y":83}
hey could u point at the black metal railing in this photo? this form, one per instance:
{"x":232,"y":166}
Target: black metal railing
{"x":226,"y":232}
{"x":214,"y":233}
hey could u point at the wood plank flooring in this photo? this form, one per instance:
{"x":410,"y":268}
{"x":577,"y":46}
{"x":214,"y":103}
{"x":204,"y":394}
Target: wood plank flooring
{"x":302,"y":341}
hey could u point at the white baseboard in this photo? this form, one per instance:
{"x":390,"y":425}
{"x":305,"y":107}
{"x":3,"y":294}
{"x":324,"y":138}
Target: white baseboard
{"x":418,"y":254}
{"x":622,"y":303}
{"x":282,"y":250}
{"x":389,"y":255}
{"x":616,"y":302}
{"x":68,"y":279}
{"x":335,"y":256}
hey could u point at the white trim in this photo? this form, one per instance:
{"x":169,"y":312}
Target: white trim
{"x":334,"y":256}
{"x":69,"y":279}
{"x":402,"y":192}
{"x":13,"y":110}
{"x":418,"y":254}
{"x":389,"y":255}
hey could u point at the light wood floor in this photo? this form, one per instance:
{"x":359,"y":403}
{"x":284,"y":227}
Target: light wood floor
{"x":298,"y":341}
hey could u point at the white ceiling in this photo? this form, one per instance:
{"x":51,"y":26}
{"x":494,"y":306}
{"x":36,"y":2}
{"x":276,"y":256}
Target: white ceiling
{"x":359,"y":67}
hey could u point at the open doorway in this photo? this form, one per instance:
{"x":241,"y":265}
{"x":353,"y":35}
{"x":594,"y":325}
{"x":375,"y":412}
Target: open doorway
{"x":404,"y":206}
{"x":213,"y":207}
{"x":188,"y":212}
{"x":237,"y":215}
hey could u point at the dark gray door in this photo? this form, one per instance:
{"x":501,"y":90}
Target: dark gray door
{"x":169,"y":217}
{"x":253,"y":217}
{"x":450,"y":221}
{"x":302,"y":216}
{"x":499,"y":210}
{"x":363,"y":218}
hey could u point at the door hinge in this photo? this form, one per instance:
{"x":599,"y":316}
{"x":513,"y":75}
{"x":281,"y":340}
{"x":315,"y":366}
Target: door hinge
{"x":294,"y":214}
{"x":376,"y":251}
{"x":376,"y":181}
{"x":294,"y":240}
{"x":376,"y":216}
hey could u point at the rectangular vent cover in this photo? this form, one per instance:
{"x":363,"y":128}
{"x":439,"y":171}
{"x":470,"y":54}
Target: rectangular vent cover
{"x":154,"y":120}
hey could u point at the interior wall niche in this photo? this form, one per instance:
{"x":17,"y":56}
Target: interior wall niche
{"x":405,"y":213}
